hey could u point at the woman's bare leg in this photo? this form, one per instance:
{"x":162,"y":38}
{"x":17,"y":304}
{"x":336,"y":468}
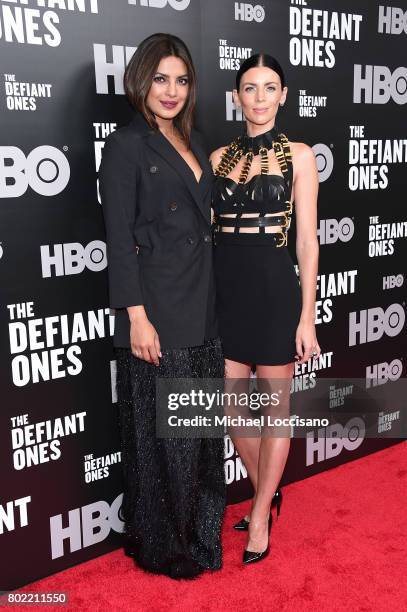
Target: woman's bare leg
{"x":273,"y":455}
{"x":248,"y":448}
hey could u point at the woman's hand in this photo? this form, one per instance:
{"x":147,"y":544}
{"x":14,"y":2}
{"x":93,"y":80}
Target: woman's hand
{"x":306,"y":342}
{"x":144,"y":341}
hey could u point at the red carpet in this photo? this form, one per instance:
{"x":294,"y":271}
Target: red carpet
{"x":340,"y":544}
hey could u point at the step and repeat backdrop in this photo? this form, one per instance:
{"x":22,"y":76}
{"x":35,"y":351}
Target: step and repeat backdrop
{"x":62,"y":63}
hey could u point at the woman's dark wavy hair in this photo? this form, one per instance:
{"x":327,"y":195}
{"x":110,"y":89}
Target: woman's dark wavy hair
{"x":260,"y":59}
{"x":141,"y":69}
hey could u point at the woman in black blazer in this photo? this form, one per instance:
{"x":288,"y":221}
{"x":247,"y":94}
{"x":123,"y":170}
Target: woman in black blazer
{"x":155,"y":186}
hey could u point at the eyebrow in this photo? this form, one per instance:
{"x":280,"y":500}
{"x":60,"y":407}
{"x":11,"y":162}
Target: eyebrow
{"x":180,"y":76}
{"x":268,"y":83}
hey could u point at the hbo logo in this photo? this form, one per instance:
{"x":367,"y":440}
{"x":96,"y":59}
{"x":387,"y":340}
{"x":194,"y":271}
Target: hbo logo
{"x":248,"y":12}
{"x":332,"y":230}
{"x":73,"y":258}
{"x":380,"y":85}
{"x":392,"y":20}
{"x":46,"y":170}
{"x":389,"y":282}
{"x":232,"y":112}
{"x":330,"y":441}
{"x":324,"y":160}
{"x":178,"y":5}
{"x":380,"y":373}
{"x":375,"y":322}
{"x":86,"y":526}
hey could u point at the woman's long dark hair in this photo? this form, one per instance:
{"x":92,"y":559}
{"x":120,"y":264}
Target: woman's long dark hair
{"x":140,"y":70}
{"x":260,"y":59}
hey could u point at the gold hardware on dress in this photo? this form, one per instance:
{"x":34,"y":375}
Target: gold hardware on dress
{"x":242,"y":147}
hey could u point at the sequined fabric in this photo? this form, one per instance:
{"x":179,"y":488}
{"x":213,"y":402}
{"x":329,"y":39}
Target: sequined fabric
{"x":174,"y":489}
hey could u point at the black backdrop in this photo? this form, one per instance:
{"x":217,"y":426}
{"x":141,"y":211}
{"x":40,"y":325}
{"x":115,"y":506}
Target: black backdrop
{"x":62,"y":64}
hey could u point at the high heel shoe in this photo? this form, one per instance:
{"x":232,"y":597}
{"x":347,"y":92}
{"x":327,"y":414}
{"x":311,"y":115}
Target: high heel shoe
{"x":277,"y":500}
{"x":128,"y":551}
{"x":251,"y":556}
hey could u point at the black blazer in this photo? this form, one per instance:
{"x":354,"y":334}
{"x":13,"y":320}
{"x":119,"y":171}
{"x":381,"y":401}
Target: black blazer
{"x":158,"y":235}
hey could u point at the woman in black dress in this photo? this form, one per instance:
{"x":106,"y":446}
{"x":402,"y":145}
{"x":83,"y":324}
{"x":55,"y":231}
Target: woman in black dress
{"x":155,"y":185}
{"x":265,"y":319}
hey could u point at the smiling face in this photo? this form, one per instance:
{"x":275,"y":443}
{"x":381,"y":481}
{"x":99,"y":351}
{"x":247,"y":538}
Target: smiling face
{"x":260,"y":95}
{"x":169,"y":89}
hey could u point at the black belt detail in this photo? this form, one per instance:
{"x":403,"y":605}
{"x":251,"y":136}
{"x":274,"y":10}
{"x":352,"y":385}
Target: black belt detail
{"x":250,"y":221}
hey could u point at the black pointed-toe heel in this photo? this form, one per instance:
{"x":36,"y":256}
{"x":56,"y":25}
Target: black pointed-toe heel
{"x":129,"y":552}
{"x":250,"y":556}
{"x":242,"y":525}
{"x":277,"y":500}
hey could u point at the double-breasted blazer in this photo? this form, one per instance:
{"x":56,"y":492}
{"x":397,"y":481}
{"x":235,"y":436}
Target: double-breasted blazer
{"x":158,"y":235}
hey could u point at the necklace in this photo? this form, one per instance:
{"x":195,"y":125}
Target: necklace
{"x":249,"y":146}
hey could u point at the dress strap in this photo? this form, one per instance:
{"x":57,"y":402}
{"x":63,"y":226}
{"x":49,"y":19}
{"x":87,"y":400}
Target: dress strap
{"x":283,"y":154}
{"x":262,"y":229}
{"x":284,"y":158}
{"x":237,"y":226}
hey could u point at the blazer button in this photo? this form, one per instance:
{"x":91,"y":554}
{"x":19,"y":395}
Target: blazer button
{"x":207,"y":238}
{"x":190,"y":240}
{"x":173,"y":206}
{"x":153,"y":169}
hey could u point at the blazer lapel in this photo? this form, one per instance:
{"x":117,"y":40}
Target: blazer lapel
{"x":207,"y":175}
{"x":163,"y":147}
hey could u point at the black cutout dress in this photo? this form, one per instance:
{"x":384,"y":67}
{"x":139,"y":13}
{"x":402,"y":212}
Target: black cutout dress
{"x":258,"y":292}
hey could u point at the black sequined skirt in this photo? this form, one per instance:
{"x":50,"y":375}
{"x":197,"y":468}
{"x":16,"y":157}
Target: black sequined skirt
{"x":174,"y":489}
